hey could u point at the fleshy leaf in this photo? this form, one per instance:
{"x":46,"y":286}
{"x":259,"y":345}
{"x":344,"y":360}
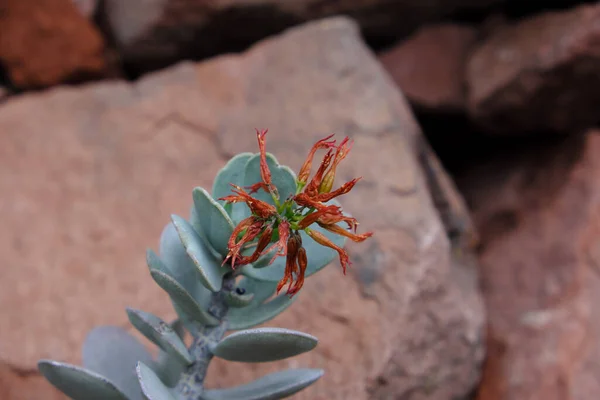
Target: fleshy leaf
{"x":113,"y":353}
{"x":281,"y":176}
{"x":236,"y":300}
{"x":175,"y":261}
{"x":260,"y":289}
{"x":79,"y":383}
{"x":245,"y":318}
{"x":216,"y":225}
{"x":264,"y":345}
{"x":152,"y":387}
{"x":160,"y":333}
{"x":197,"y":225}
{"x":210,"y":271}
{"x":232,"y":172}
{"x":274,"y":386}
{"x":318,"y":257}
{"x":167,"y":367}
{"x":183,"y":299}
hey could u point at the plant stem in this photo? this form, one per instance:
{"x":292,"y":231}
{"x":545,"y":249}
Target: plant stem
{"x":191,"y":383}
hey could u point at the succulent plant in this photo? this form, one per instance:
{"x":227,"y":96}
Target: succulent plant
{"x":222,"y":275}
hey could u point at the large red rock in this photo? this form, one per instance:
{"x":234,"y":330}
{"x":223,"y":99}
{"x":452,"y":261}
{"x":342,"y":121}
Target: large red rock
{"x":539,"y":217}
{"x":45,"y":42}
{"x":153,"y":34}
{"x":538,"y":75}
{"x":429,"y":67}
{"x":89,"y":183}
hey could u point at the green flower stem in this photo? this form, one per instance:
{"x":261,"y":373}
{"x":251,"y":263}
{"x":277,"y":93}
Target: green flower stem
{"x":191,"y":383}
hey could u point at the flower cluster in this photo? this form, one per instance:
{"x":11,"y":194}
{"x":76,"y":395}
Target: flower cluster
{"x":281,"y":223}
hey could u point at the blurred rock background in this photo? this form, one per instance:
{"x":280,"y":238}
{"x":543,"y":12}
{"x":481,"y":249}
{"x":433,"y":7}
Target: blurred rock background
{"x":475,"y":124}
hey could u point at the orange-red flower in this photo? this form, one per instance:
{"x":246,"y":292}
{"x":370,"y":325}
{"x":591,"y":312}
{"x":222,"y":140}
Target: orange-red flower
{"x":298,"y":213}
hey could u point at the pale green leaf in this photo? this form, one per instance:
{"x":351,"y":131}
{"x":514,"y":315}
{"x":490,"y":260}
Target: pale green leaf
{"x":274,"y":386}
{"x":210,"y":271}
{"x":160,"y":333}
{"x":264,"y":345}
{"x":79,"y":383}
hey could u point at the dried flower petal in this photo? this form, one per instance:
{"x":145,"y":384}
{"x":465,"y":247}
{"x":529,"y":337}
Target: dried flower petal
{"x":281,"y":244}
{"x":305,"y":170}
{"x":293,"y":245}
{"x":345,"y":188}
{"x":341,"y":153}
{"x":302,"y":264}
{"x":258,"y":207}
{"x":312,"y":189}
{"x":252,"y":226}
{"x":263,"y":242}
{"x":324,"y":241}
{"x":327,"y":215}
{"x":343,"y":232}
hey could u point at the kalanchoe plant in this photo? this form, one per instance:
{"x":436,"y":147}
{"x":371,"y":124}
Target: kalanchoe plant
{"x":223,"y":269}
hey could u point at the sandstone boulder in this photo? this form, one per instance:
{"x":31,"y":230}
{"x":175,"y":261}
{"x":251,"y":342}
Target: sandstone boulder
{"x":46,"y":42}
{"x":429,"y":67}
{"x":153,"y":34}
{"x":538,"y":75}
{"x":539,"y":217}
{"x":89,"y":183}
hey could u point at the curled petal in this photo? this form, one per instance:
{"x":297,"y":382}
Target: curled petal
{"x":282,"y":243}
{"x":293,"y":245}
{"x":312,"y":189}
{"x":341,"y":231}
{"x":265,"y":172}
{"x":327,"y":215}
{"x":304,"y":200}
{"x":302,"y":263}
{"x":324,"y":241}
{"x":345,"y":188}
{"x":258,"y":207}
{"x":321,"y":144}
{"x":263,"y":241}
{"x":253,"y":227}
{"x":341,"y":153}
{"x":255,"y":188}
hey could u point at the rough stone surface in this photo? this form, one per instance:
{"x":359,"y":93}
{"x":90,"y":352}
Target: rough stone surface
{"x":539,"y":217}
{"x":429,"y":67}
{"x":86,"y":7}
{"x":152,"y":34}
{"x":45,"y":42}
{"x":538,"y":75}
{"x":404,"y":323}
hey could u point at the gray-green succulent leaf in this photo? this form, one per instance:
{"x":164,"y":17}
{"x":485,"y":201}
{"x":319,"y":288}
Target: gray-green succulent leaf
{"x":186,"y":304}
{"x":161,"y":334}
{"x":232,"y":173}
{"x":264,"y":345}
{"x":210,"y":270}
{"x":244,"y":318}
{"x":274,"y":386}
{"x":152,"y":387}
{"x":213,"y":220}
{"x":238,"y":298}
{"x":80,"y":383}
{"x":175,"y":261}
